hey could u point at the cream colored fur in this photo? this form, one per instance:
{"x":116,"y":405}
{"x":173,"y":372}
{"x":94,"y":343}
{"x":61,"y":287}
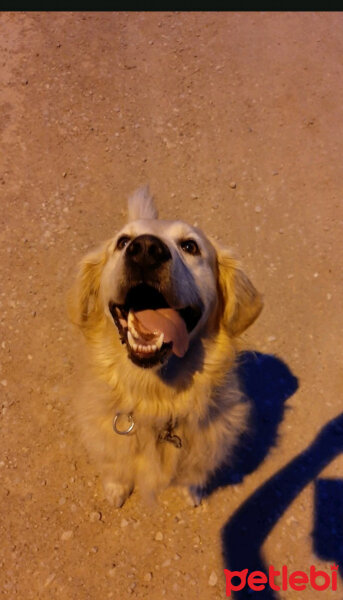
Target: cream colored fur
{"x":199,"y":394}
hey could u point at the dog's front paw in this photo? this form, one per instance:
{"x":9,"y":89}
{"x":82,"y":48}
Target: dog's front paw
{"x":195,"y":495}
{"x":116,"y":493}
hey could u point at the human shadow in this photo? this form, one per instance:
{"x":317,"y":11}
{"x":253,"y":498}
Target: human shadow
{"x":328,"y":520}
{"x":268,"y":383}
{"x":244,"y":534}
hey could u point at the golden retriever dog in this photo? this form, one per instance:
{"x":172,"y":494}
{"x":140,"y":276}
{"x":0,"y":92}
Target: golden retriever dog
{"x":161,"y":307}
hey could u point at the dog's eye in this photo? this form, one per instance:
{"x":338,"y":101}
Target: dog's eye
{"x":123,"y":241}
{"x":190,"y":246}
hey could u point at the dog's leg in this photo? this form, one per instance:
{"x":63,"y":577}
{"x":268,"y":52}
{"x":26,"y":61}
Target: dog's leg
{"x":195,"y":495}
{"x":116,"y":490}
{"x":116,"y":493}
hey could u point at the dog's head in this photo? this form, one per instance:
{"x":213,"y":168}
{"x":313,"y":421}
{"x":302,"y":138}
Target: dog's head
{"x":161,"y":284}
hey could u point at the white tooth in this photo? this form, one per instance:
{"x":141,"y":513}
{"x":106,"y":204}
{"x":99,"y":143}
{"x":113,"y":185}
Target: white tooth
{"x":131,"y":325}
{"x":153,"y":348}
{"x":159,"y":342}
{"x":131,"y":340}
{"x":148,"y":347}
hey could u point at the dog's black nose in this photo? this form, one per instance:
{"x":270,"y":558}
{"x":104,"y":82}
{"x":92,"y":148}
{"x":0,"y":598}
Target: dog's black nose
{"x":147,"y":251}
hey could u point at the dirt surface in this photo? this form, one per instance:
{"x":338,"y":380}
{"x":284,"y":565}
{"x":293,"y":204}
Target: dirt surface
{"x":235,"y":119}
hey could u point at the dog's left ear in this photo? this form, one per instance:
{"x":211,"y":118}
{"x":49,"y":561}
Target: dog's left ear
{"x":242,"y":303}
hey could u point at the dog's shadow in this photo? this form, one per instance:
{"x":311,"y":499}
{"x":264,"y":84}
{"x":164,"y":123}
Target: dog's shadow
{"x":268,"y":383}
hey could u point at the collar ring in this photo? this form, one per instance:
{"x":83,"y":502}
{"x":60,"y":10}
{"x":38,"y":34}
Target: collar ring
{"x":128,"y":429}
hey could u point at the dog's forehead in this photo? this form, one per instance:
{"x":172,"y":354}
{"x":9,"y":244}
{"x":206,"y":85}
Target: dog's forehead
{"x":173,"y":229}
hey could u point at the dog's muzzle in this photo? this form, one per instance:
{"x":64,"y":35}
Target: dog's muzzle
{"x":150,"y":320}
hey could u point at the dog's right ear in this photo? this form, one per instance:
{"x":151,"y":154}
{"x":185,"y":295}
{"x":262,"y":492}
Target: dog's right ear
{"x":141,"y":205}
{"x":83,"y":298}
{"x":242,"y":303}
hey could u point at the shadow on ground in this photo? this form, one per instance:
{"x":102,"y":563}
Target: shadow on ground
{"x":268,"y":382}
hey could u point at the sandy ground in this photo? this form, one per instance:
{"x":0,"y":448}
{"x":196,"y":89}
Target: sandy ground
{"x":92,"y":105}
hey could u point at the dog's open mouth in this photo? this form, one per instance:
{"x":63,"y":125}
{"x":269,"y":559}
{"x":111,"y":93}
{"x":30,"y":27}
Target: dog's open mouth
{"x":152,"y":329}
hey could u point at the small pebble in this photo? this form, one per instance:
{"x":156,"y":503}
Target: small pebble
{"x":95,"y":516}
{"x":159,"y":536}
{"x":213,"y":579}
{"x":3,"y":382}
{"x":66,"y":535}
{"x":258,"y":209}
{"x":49,"y":579}
{"x":124,"y":523}
{"x":148,"y":577}
{"x":329,"y":296}
{"x":271,"y":338}
{"x":233,"y":185}
{"x":166,"y":563}
{"x":291,"y":520}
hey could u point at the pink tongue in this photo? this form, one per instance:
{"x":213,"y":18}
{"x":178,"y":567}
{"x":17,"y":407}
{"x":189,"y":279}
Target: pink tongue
{"x":169,"y":322}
